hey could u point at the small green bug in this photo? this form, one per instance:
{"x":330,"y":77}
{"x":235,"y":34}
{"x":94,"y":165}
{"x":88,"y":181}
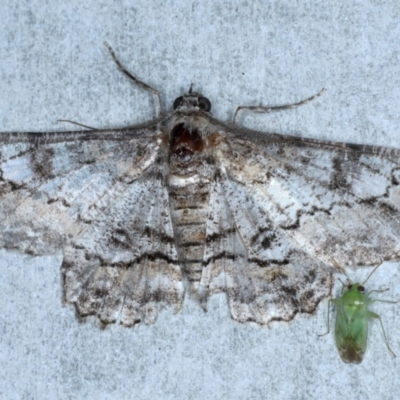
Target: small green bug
{"x":351,"y":326}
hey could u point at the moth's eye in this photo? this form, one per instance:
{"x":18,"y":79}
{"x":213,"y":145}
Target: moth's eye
{"x":177,"y":102}
{"x":204,"y":103}
{"x":361,"y":288}
{"x":349,"y":287}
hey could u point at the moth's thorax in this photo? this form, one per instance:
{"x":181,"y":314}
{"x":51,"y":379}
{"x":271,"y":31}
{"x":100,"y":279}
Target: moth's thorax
{"x":190,"y":143}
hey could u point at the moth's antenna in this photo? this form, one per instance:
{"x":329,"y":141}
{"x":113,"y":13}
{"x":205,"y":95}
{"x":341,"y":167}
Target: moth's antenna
{"x":76,"y":123}
{"x":191,"y":89}
{"x":261,"y":109}
{"x":141,"y":84}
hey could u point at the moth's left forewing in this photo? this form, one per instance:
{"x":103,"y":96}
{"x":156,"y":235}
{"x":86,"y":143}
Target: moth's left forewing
{"x":335,"y":200}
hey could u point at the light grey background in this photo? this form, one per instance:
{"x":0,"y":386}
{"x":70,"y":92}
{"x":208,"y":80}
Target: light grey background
{"x":53,"y":65}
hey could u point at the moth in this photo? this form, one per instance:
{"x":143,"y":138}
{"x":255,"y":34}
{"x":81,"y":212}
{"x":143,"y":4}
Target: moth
{"x":186,"y":203}
{"x":352,"y":315}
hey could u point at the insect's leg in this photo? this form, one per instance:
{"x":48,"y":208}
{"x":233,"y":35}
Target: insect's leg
{"x":76,"y":123}
{"x":381,"y":301}
{"x":329,"y":302}
{"x":135,"y":80}
{"x":371,"y":314}
{"x":261,"y":109}
{"x":378,"y":290}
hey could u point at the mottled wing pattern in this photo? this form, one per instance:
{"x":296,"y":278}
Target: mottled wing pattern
{"x":287,"y":212}
{"x":283,"y":214}
{"x":124,"y":265}
{"x":338,"y":202}
{"x":80,"y":194}
{"x":263,"y":271}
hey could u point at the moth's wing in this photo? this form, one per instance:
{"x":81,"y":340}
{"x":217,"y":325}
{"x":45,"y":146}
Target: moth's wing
{"x":104,"y":203}
{"x":287,"y":212}
{"x":351,"y":333}
{"x":339,"y":202}
{"x":266,"y":275}
{"x":124,"y":264}
{"x":49,"y":181}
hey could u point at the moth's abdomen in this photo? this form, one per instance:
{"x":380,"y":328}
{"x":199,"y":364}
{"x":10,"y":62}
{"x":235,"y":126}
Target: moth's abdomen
{"x":191,"y":168}
{"x":189,"y":209}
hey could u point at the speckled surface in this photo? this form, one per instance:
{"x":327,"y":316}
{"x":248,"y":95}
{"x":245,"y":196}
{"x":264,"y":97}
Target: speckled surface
{"x":53,"y":65}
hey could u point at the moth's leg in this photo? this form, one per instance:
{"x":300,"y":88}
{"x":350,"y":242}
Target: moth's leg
{"x":371,"y":314}
{"x":135,"y":80}
{"x":261,"y":109}
{"x":334,"y":301}
{"x":76,"y":123}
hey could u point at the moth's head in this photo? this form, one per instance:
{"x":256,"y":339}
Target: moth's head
{"x":192,"y":101}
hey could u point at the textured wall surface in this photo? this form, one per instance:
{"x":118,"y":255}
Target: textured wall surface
{"x":53,"y":65}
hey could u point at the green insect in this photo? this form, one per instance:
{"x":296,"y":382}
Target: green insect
{"x":351,"y":326}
